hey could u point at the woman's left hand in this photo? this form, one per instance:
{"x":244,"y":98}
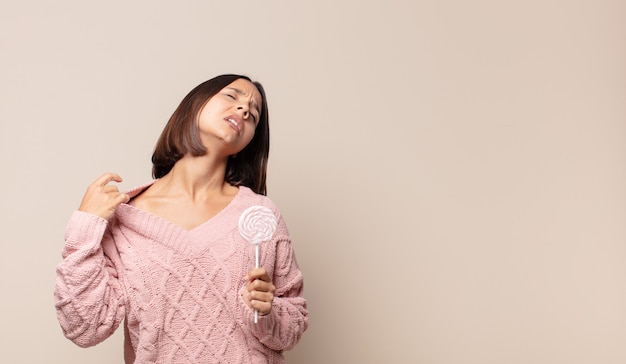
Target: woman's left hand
{"x":259,"y":292}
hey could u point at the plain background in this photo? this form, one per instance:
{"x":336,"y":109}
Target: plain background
{"x":452,"y":172}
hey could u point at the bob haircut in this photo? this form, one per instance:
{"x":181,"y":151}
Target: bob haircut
{"x":181,"y":136}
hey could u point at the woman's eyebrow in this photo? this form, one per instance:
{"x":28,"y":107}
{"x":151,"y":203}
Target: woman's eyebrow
{"x":240,"y":92}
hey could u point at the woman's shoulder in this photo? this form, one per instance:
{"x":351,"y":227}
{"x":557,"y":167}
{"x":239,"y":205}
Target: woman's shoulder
{"x":250,"y":198}
{"x":137,"y":190}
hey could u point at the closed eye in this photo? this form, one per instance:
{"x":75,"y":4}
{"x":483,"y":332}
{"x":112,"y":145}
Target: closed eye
{"x":255,"y":117}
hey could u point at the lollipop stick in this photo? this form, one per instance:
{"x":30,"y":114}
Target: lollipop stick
{"x":256,"y":256}
{"x":256,"y":265}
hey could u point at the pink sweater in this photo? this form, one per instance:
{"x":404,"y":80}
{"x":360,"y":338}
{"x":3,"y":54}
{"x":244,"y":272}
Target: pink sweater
{"x":179,"y":291}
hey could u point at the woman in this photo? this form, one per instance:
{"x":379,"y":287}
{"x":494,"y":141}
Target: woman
{"x":167,"y":257}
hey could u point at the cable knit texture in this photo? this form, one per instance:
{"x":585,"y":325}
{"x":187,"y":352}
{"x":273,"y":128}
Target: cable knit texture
{"x":178,"y":290}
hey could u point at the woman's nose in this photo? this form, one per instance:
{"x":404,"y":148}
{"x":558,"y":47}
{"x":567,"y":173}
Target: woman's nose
{"x":245,"y":111}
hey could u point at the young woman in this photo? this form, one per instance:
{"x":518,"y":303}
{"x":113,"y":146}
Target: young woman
{"x":168,"y":257}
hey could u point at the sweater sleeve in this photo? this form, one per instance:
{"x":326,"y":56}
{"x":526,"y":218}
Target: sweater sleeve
{"x":88,"y":295}
{"x":283,"y":327}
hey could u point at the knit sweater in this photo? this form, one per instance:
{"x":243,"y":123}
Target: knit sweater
{"x":179,"y":291}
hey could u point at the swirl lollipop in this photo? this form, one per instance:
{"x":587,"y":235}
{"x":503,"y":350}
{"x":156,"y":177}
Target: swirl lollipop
{"x":256,"y":225}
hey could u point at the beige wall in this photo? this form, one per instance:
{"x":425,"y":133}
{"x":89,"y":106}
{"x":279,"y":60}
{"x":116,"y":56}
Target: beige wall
{"x":453,"y":172}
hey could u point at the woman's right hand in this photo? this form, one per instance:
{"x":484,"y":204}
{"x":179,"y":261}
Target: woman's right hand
{"x":102,"y":199}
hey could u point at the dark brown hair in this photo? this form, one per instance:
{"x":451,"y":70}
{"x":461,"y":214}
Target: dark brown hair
{"x":181,"y":136}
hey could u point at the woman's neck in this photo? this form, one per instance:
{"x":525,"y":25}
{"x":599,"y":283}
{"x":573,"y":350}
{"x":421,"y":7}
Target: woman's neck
{"x":196,"y":177}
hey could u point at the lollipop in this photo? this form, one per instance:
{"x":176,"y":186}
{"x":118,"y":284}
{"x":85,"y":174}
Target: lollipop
{"x":256,"y":225}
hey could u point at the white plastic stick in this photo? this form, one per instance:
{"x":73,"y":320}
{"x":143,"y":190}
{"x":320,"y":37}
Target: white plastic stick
{"x":256,"y":265}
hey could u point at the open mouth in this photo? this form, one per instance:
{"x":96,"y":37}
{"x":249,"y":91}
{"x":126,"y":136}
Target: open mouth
{"x":234,"y":123}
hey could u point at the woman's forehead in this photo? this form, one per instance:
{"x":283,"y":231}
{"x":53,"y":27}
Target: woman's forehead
{"x":246,"y":88}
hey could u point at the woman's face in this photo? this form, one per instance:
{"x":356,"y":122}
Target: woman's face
{"x":227,"y":122}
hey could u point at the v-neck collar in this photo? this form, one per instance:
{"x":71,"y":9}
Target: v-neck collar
{"x":170,"y":234}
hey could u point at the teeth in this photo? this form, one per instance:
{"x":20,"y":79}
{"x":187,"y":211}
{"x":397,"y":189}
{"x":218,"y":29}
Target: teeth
{"x":232,"y":122}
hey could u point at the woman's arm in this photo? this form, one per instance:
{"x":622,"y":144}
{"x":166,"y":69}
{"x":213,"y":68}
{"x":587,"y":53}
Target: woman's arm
{"x":283,"y":326}
{"x":88,"y":294}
